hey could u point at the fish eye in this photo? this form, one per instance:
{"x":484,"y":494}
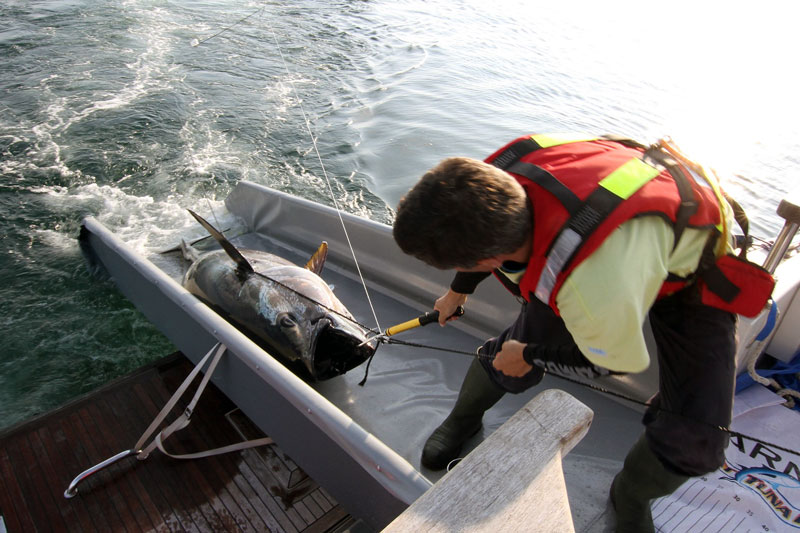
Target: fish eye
{"x":285,"y":320}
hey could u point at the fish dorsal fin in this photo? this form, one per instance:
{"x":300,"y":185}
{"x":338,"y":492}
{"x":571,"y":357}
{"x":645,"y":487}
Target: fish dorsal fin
{"x":241,"y":263}
{"x":317,"y":261}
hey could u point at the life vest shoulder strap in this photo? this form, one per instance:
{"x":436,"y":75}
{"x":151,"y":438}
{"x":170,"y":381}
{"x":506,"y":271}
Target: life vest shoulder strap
{"x":689,"y":204}
{"x":548,"y":182}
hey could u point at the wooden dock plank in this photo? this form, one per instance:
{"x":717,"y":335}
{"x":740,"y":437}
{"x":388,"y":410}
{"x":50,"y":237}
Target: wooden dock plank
{"x":269,"y":489}
{"x":224,"y":471}
{"x":255,"y":490}
{"x":151,"y":485}
{"x":202,"y":471}
{"x":257,"y":484}
{"x":267,"y":477}
{"x":23,"y":473}
{"x":64,"y":466}
{"x":106,"y":445}
{"x":68,"y":512}
{"x":93,"y":506}
{"x":182,"y":499}
{"x":328,"y":521}
{"x":322,"y":501}
{"x":276,"y":469}
{"x":131,"y":485}
{"x":289,"y":484}
{"x":217,"y":435}
{"x":304,"y":512}
{"x":127,"y":502}
{"x":278,"y":521}
{"x":252,"y":491}
{"x":12,"y":504}
{"x":39,"y":477}
{"x":86,"y":435}
{"x":313,"y":506}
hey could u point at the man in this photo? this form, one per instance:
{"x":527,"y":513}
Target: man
{"x":593,"y":235}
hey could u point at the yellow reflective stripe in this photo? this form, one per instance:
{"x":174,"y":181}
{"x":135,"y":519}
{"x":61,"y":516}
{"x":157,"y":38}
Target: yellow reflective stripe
{"x":546,"y":141}
{"x":711,"y":178}
{"x":629,"y":178}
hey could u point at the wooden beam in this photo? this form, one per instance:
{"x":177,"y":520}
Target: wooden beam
{"x":513,"y":481}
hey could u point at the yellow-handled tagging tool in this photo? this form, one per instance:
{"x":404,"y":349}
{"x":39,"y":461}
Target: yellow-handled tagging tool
{"x":427,"y":318}
{"x":421,"y":320}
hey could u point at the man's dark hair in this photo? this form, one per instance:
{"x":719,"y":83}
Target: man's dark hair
{"x":461,"y":211}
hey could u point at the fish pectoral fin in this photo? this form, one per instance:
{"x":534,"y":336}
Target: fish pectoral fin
{"x":189,"y":252}
{"x":242,"y":264}
{"x":317,"y":261}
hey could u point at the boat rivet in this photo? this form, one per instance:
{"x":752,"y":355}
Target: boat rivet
{"x":378,"y":468}
{"x":258,"y":367}
{"x":309,"y":411}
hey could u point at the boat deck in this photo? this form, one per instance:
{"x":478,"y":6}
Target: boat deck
{"x":259,"y":489}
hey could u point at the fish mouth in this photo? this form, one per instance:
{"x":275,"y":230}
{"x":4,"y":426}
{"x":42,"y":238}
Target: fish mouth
{"x":337,"y":348}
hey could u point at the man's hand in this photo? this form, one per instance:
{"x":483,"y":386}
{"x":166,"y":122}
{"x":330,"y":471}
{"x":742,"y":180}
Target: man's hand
{"x":509,"y":360}
{"x":447,"y":305}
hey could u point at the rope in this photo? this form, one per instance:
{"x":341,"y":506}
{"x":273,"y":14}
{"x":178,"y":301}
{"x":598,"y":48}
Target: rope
{"x":786,"y":393}
{"x":751,"y":357}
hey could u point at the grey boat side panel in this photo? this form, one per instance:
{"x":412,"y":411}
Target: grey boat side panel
{"x":365,"y":476}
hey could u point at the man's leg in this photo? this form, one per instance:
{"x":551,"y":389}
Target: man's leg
{"x":643,"y":478}
{"x":478,"y":393}
{"x":483,"y":385}
{"x":696,"y":356}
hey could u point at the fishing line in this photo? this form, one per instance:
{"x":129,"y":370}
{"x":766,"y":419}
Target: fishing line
{"x":213,"y":214}
{"x":327,"y":180}
{"x":195,"y":42}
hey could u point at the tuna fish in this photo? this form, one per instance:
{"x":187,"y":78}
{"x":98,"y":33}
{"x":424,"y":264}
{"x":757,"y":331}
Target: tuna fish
{"x":287,"y":309}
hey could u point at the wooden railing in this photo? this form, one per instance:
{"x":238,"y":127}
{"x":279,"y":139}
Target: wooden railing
{"x":513,"y":481}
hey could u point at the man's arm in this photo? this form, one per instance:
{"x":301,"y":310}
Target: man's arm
{"x":467,"y":282}
{"x":463,"y":284}
{"x":517,"y":359}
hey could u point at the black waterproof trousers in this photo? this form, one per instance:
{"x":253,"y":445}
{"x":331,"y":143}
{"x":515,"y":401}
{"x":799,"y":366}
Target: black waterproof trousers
{"x":696,"y":358}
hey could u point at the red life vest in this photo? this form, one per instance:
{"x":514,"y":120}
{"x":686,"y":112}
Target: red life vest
{"x":581,"y":191}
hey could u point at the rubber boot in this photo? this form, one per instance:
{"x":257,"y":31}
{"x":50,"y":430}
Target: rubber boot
{"x":642,"y":478}
{"x":478,"y":393}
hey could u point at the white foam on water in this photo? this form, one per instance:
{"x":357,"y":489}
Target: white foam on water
{"x":144,"y":223}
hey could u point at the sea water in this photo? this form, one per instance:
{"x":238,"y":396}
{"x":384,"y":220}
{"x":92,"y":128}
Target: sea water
{"x":132,"y":111}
